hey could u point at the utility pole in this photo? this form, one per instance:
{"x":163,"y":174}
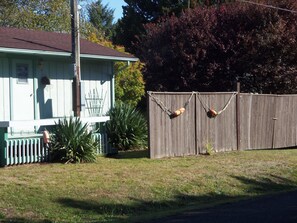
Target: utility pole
{"x":75,"y":57}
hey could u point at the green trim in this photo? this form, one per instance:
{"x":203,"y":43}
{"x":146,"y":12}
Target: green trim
{"x":66,"y":54}
{"x":89,"y":56}
{"x":3,"y":138}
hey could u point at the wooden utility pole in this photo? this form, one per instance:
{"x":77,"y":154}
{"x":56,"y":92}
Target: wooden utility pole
{"x":75,"y":57}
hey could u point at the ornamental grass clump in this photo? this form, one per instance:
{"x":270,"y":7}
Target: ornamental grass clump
{"x":71,"y":142}
{"x":127,"y":128}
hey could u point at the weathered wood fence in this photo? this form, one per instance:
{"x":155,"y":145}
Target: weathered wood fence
{"x":251,"y":121}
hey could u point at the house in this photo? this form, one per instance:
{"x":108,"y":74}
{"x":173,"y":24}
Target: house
{"x":36,"y":87}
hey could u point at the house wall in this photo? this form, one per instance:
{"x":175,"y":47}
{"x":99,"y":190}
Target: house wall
{"x":97,"y":84}
{"x":55,"y":99}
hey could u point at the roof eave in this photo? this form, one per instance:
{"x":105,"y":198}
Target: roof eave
{"x":65,"y":54}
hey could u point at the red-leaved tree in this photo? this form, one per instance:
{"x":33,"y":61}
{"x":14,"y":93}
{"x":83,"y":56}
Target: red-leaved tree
{"x":211,"y":48}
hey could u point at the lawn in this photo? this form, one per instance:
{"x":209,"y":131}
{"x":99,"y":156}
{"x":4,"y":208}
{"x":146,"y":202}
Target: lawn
{"x":130,"y":187}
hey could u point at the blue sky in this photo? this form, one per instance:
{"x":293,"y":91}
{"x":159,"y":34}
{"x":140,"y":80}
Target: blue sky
{"x":117,"y":5}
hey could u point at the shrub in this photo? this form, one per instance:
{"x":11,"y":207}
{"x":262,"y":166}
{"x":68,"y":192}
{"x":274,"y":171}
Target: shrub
{"x":129,"y":83}
{"x":127,"y":128}
{"x":72,"y":143}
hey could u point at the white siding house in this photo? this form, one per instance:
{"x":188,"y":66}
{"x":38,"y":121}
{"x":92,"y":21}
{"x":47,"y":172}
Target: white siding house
{"x":36,"y":85}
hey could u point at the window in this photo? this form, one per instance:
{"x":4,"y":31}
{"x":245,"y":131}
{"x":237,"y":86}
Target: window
{"x":22,"y":73}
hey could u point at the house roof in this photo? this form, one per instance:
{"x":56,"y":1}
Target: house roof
{"x":25,"y":41}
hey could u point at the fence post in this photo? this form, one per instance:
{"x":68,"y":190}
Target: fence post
{"x":149,"y":124}
{"x":238,"y":115}
{"x":3,"y":138}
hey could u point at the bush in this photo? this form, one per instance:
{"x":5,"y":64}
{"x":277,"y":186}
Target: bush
{"x":72,"y":143}
{"x":127,"y":128}
{"x":129,"y":83}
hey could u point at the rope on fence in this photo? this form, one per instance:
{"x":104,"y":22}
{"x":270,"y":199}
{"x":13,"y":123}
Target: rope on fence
{"x":170,"y":113}
{"x":228,"y":103}
{"x":160,"y":103}
{"x":211,"y":113}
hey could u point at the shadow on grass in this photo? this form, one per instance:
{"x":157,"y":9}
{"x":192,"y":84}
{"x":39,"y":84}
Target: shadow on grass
{"x":180,"y":202}
{"x":24,"y":220}
{"x":141,"y":211}
{"x":269,"y":184}
{"x":134,"y":154}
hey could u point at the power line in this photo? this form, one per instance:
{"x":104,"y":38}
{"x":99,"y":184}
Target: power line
{"x":268,"y":6}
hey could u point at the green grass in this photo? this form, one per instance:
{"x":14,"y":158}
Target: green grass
{"x":130,"y":187}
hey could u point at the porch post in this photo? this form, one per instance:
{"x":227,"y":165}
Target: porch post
{"x":3,"y":138}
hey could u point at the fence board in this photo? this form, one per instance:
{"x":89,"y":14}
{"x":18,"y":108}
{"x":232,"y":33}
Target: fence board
{"x":171,"y":137}
{"x":285,"y":134}
{"x":219,"y":132}
{"x":257,"y":113}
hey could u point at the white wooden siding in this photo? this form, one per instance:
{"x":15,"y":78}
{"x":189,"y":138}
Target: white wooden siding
{"x":4,"y":90}
{"x":96,"y":76}
{"x":54,"y":100}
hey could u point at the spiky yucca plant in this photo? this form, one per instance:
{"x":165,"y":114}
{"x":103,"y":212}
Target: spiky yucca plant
{"x":72,"y":143}
{"x":127,"y":128}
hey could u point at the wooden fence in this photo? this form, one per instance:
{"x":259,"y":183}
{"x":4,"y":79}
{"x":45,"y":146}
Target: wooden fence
{"x":250,"y":121}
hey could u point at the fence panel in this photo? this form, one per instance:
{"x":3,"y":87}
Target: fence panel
{"x":219,"y":132}
{"x":257,"y":121}
{"x":171,"y":136}
{"x":285,"y":122}
{"x":260,"y":122}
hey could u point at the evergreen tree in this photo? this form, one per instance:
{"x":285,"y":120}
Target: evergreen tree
{"x":139,"y":12}
{"x":101,"y":17}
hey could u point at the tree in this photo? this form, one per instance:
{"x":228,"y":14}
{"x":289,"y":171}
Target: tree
{"x":101,"y":17}
{"x":129,"y":87}
{"x":209,"y":49}
{"x":137,"y":13}
{"x":35,"y":14}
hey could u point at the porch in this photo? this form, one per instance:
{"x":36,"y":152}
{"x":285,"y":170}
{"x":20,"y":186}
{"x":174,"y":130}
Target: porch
{"x":23,"y":148}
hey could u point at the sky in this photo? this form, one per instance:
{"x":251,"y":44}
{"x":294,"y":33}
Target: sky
{"x":117,"y":5}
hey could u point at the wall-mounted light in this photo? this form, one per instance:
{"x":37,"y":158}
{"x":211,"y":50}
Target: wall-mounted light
{"x":45,"y":80}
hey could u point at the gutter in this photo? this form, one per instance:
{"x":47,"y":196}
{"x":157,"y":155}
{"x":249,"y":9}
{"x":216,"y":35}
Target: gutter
{"x":66,"y":54}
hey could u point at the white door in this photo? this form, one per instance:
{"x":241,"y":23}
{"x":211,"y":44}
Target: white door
{"x":22,"y":93}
